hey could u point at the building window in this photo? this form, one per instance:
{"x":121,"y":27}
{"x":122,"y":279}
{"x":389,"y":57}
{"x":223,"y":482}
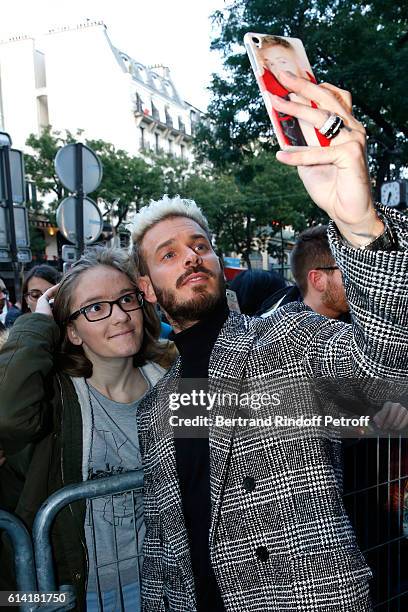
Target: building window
{"x":169,"y":119}
{"x":126,"y":62}
{"x":182,"y":151}
{"x":170,"y":146}
{"x":139,"y":105}
{"x":168,"y":88}
{"x":142,"y":138}
{"x":155,"y":112}
{"x":39,"y":70}
{"x":157,"y":143}
{"x":42,"y":112}
{"x":194,"y":119}
{"x":141,"y":72}
{"x":182,"y":127}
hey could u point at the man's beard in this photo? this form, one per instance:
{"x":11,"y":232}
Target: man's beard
{"x":335,"y":298}
{"x":196,"y":308}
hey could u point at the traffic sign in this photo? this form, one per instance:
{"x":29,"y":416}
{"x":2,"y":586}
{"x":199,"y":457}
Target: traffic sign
{"x":20,"y":224}
{"x":93,"y":223}
{"x":24,"y":255}
{"x":14,"y":236}
{"x":69,"y":253}
{"x":65,"y":167}
{"x":5,"y":255}
{"x":4,"y":239}
{"x":18,"y":189}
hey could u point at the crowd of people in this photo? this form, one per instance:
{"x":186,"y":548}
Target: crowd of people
{"x":233,"y":518}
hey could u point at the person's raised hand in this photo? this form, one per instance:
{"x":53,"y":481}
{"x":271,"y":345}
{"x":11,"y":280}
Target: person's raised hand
{"x":336,"y":177}
{"x":43,"y":302}
{"x":393,"y":416}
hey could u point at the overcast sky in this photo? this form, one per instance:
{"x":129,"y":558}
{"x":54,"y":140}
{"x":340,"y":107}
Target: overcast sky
{"x":176,"y":33}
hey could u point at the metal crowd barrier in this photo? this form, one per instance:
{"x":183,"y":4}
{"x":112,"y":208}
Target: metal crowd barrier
{"x":39,"y":575}
{"x":23,"y":552}
{"x":376,"y":498}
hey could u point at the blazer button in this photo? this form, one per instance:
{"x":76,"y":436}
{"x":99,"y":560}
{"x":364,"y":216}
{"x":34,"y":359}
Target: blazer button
{"x":262,"y":553}
{"x":249,"y":484}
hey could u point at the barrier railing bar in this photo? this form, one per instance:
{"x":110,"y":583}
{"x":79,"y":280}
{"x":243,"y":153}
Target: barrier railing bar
{"x":42,"y":525}
{"x":23,"y":552}
{"x":387,"y":601}
{"x":98,"y":586}
{"x":380,"y":484}
{"x":382,"y":544}
{"x":116,"y":562}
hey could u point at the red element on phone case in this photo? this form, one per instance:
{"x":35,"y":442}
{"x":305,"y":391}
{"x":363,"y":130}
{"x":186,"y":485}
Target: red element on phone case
{"x":272,"y":85}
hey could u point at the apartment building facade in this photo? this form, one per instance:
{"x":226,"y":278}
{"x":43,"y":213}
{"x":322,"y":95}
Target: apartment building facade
{"x":74,"y":78}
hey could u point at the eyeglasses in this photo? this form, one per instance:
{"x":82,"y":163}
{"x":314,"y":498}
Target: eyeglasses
{"x":327,"y":268}
{"x":33,"y":294}
{"x":103,"y":310}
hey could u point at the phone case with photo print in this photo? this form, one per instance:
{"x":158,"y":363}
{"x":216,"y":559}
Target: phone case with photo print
{"x":270,"y":54}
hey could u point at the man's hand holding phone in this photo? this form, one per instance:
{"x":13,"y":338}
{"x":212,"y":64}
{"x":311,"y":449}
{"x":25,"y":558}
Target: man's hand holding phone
{"x":336,"y":177}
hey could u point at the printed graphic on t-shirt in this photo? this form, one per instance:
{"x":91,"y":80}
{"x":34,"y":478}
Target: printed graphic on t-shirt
{"x":113,"y":448}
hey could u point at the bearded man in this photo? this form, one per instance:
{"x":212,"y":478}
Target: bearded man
{"x":242,"y":520}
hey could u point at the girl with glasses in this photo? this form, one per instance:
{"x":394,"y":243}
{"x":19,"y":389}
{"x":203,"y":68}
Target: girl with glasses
{"x":73,"y":376}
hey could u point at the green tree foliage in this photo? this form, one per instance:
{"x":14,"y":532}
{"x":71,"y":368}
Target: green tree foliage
{"x":128,"y":182}
{"x":174,"y":171}
{"x":37,"y":242}
{"x":242,"y":202}
{"x":359,"y":46}
{"x":39,"y":166}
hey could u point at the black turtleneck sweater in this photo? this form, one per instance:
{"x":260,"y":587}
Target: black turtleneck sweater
{"x":192,"y":455}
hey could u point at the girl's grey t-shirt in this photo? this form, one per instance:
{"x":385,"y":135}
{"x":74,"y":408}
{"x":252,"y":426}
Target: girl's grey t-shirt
{"x":114,"y":525}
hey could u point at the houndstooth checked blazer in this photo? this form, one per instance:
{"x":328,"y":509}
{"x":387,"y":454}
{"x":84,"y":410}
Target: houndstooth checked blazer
{"x":293,"y":512}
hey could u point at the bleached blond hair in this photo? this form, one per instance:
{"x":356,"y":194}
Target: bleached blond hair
{"x":157,"y":211}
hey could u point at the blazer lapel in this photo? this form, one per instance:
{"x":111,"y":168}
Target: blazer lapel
{"x":166,"y":480}
{"x":226,"y":371}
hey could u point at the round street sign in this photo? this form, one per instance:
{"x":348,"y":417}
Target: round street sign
{"x":65,"y":167}
{"x":93,"y":223}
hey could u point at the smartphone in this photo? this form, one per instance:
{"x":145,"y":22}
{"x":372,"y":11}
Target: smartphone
{"x":232,"y":301}
{"x":270,"y":54}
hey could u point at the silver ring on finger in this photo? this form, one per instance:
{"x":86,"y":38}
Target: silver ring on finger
{"x":332,"y":126}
